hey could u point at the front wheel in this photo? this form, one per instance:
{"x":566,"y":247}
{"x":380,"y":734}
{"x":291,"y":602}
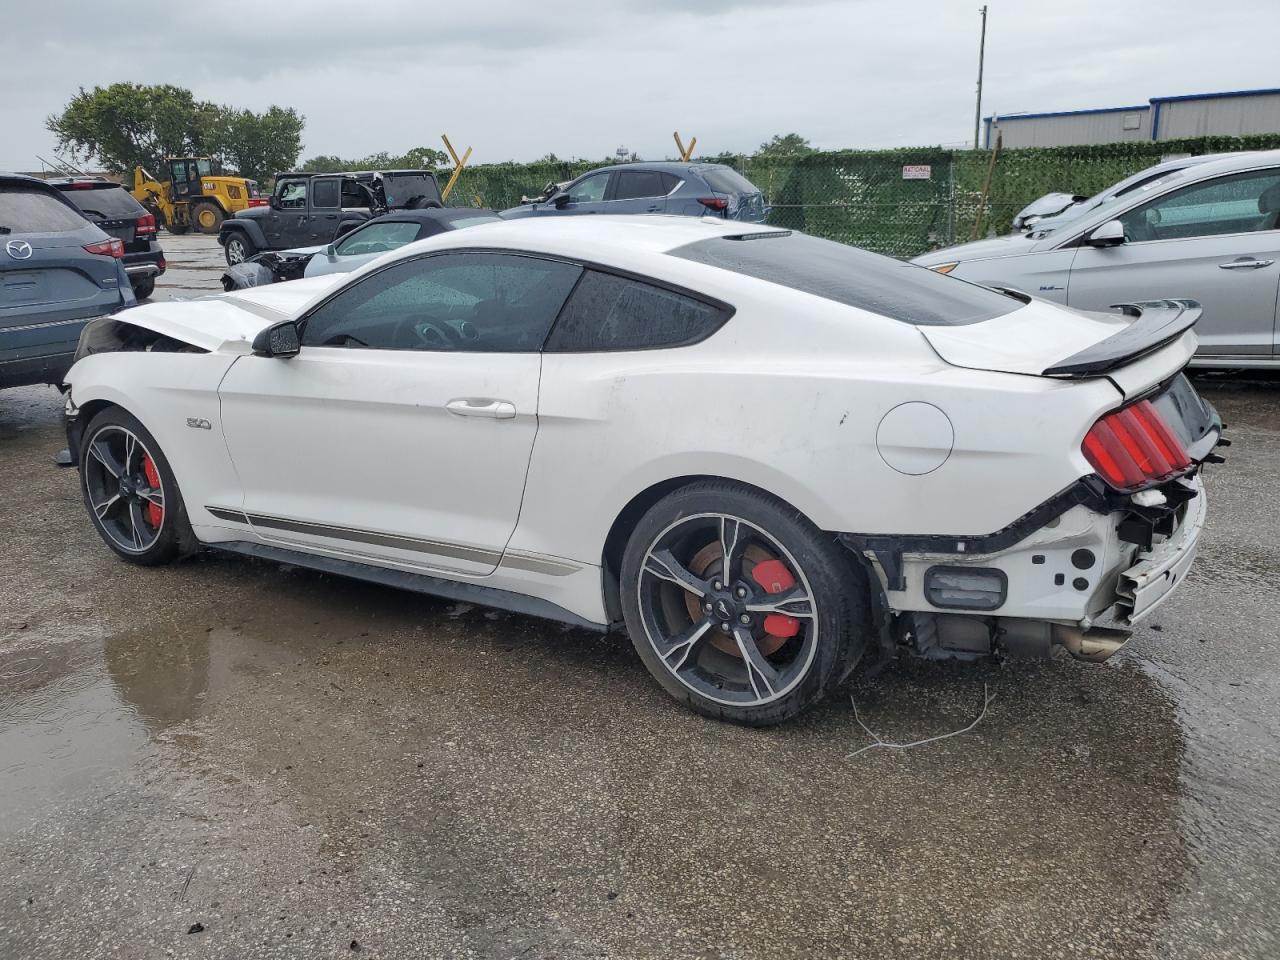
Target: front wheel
{"x":238,"y":249}
{"x":130,"y":492}
{"x":739,"y":606}
{"x":207,"y":217}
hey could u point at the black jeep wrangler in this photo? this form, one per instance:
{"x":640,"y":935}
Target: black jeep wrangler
{"x":307,"y":209}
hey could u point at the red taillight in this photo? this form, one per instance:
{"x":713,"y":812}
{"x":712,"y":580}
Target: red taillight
{"x":714,"y":203}
{"x":1133,"y":447}
{"x":146,"y":224}
{"x":83,"y":184}
{"x":259,"y":202}
{"x":106,"y":248}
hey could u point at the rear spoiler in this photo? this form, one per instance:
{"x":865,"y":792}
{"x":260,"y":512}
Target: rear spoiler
{"x":1156,"y":323}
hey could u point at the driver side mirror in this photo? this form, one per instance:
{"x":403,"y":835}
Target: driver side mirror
{"x":278,"y":340}
{"x":560,"y":200}
{"x":275,"y":201}
{"x":331,"y":252}
{"x":1110,"y":234}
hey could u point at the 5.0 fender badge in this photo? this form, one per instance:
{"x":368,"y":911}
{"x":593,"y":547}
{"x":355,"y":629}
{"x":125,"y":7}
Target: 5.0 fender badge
{"x":199,"y":423}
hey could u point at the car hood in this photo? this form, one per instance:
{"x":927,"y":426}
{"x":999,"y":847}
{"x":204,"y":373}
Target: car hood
{"x":1007,"y":246}
{"x":301,"y":251}
{"x":228,"y":322}
{"x":1045,"y":339}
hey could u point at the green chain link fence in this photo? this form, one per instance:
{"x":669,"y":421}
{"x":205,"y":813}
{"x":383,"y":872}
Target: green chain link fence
{"x":860,"y":197}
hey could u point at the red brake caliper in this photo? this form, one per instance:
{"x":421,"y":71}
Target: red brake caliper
{"x":774,"y":577}
{"x":155,"y":513}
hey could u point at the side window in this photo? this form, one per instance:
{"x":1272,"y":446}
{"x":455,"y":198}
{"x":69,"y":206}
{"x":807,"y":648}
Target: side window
{"x":293,"y":194}
{"x":1241,"y":203}
{"x":325,"y":193}
{"x":472,"y":302}
{"x":635,"y":184}
{"x":589,"y":189}
{"x":354,"y":194}
{"x":376,"y":238}
{"x":669,"y":181}
{"x":608,"y":312}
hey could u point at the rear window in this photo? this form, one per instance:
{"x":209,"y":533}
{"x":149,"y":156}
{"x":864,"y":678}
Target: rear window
{"x":727,"y":180}
{"x":834,"y":271}
{"x":403,"y":187}
{"x":23,"y":210}
{"x":107,"y":203}
{"x":608,"y":312}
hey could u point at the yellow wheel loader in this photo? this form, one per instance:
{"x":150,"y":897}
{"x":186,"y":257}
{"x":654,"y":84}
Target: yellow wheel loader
{"x":193,"y":198}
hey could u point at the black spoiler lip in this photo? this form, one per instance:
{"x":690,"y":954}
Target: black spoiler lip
{"x":1156,"y":323}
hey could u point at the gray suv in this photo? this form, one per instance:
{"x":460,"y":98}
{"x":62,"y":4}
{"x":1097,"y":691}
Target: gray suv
{"x":1209,"y":232}
{"x":57,"y":272}
{"x":688,"y":189}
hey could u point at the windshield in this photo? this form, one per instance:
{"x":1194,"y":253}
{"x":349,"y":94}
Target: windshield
{"x":1101,"y":202}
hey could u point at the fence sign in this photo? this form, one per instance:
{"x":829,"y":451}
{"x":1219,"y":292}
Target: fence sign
{"x":916,"y":171}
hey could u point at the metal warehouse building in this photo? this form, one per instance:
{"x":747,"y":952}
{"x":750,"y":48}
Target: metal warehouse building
{"x":1232,"y":113}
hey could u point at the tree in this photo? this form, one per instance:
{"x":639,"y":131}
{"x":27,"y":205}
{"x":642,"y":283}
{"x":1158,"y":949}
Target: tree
{"x":419,"y":158}
{"x":127,"y":124}
{"x":259,"y":145}
{"x":785,"y":145}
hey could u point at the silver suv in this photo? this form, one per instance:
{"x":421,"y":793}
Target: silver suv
{"x":1210,"y":232}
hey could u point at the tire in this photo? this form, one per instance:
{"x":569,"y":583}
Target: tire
{"x":206,"y":217}
{"x":177,"y":229}
{"x":695,"y":641}
{"x":238,"y":248}
{"x":130,"y":492}
{"x":143,"y":288}
{"x":423,"y":203}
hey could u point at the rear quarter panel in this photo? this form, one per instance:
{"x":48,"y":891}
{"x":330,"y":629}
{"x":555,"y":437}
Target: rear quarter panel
{"x":788,"y":397}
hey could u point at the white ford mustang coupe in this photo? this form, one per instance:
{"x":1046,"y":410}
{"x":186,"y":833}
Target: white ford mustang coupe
{"x":767,"y":455}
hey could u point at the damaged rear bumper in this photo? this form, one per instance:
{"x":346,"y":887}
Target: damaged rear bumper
{"x":1090,"y":568}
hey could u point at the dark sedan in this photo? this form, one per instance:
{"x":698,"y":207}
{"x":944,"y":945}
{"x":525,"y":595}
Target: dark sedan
{"x":354,"y":249}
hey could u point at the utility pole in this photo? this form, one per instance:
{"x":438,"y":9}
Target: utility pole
{"x":982,"y":50}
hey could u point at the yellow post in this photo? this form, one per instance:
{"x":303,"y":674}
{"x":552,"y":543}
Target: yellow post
{"x":458,"y":164}
{"x":685,"y":154}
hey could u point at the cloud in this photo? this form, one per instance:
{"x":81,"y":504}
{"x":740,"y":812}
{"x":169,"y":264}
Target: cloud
{"x":518,"y":80}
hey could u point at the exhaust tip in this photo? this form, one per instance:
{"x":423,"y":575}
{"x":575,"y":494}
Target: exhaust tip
{"x":1092,"y":646}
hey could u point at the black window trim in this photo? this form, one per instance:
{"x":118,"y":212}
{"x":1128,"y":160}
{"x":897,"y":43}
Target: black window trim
{"x":311,"y":192}
{"x":726,"y":310}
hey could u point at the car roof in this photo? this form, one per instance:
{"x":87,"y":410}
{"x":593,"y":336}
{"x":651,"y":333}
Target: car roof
{"x":661,"y":166}
{"x":603,"y":235}
{"x":1229,"y":162}
{"x":93,"y":183}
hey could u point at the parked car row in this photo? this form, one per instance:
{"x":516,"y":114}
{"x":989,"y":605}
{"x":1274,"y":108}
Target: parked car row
{"x":1208,"y":230}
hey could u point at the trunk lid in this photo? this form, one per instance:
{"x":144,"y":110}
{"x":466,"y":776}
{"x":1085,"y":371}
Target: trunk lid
{"x":1137,"y":346}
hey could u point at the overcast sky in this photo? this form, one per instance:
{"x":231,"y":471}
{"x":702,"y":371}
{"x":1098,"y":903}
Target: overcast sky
{"x":518,"y":79}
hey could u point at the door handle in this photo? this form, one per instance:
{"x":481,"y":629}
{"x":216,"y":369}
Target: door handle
{"x":331,"y":216}
{"x":1245,"y":264}
{"x":481,"y":407}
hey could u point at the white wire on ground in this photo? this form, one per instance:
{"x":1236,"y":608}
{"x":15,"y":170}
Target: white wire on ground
{"x":986,"y":702}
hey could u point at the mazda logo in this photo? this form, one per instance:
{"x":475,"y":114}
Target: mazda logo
{"x":18,"y":249}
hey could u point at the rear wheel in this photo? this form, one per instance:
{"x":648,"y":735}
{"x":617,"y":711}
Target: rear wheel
{"x":739,"y":606}
{"x":130,"y":492}
{"x":238,"y":249}
{"x":206,"y":217}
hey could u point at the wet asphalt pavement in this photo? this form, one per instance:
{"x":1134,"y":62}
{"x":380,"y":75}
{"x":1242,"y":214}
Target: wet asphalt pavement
{"x":292,"y":765}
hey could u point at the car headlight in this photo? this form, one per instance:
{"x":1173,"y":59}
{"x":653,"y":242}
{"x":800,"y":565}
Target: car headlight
{"x":945,"y":267}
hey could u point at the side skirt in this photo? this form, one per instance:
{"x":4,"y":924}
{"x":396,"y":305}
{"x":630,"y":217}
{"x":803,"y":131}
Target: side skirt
{"x":416,"y":582}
